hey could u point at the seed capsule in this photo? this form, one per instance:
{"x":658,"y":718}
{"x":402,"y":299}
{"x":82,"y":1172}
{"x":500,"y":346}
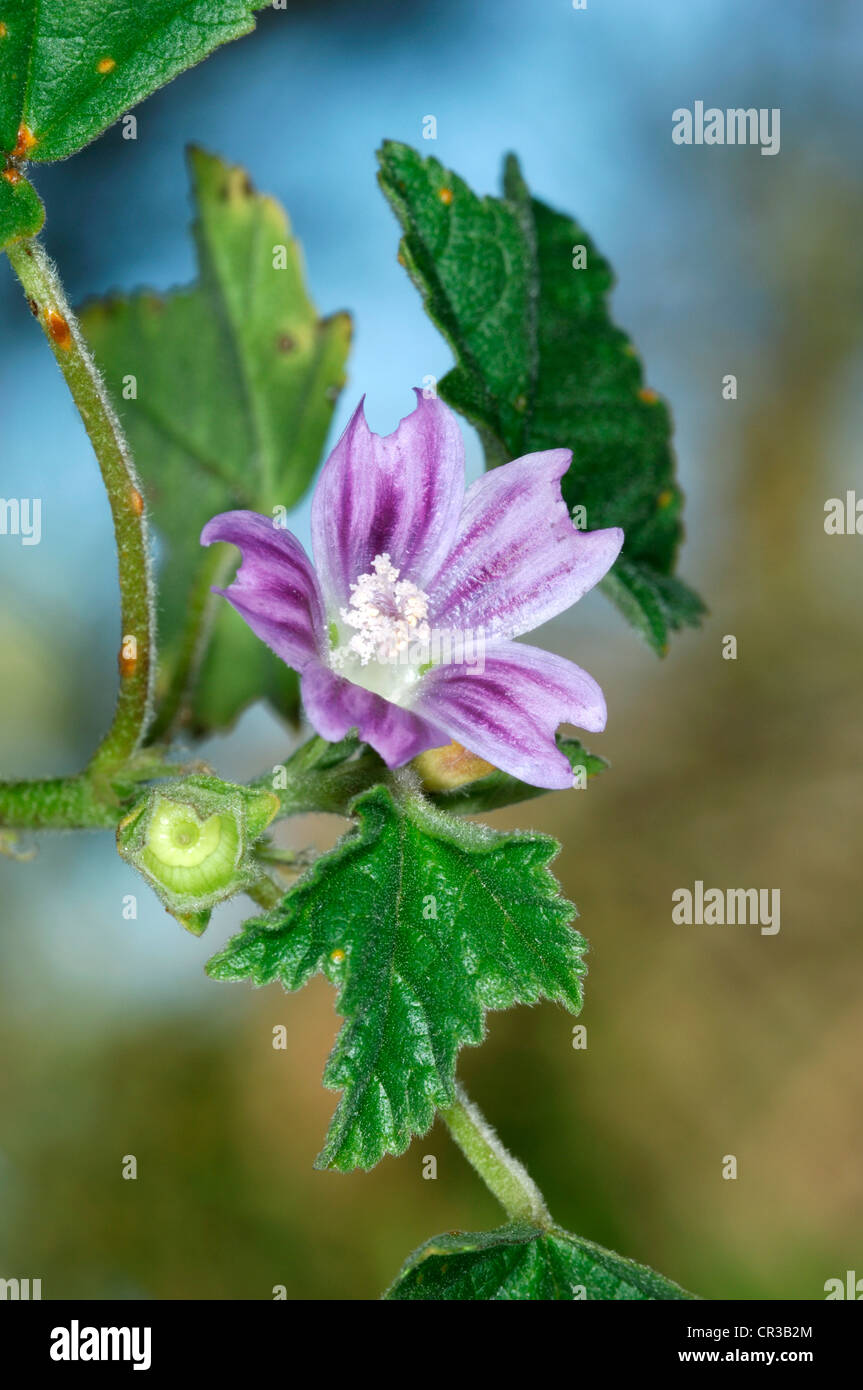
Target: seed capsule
{"x":193,"y":841}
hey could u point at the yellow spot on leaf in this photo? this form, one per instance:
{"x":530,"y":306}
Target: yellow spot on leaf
{"x":445,"y":195}
{"x":665,"y":498}
{"x":3,"y":30}
{"x":137,"y":501}
{"x":127,"y":664}
{"x":11,"y":176}
{"x":25,"y":142}
{"x":237,"y":186}
{"x":649,"y":397}
{"x":106,"y":64}
{"x":337,"y":957}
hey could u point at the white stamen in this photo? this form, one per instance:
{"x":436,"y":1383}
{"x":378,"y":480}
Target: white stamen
{"x":386,"y":612}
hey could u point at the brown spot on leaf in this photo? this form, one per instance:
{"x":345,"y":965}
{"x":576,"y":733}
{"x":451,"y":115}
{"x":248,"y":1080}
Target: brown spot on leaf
{"x":649,"y":397}
{"x":236,"y":185}
{"x":59,"y":329}
{"x":11,"y":176}
{"x":25,"y":142}
{"x":137,"y":501}
{"x":285,"y":342}
{"x":665,"y":498}
{"x":34,"y":307}
{"x":127,"y":664}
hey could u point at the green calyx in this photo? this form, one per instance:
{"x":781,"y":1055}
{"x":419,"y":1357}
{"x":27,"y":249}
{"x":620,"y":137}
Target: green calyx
{"x":193,"y":841}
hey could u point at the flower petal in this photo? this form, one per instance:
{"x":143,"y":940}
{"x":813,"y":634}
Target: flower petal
{"x":275,"y":590}
{"x":518,"y":560}
{"x":335,"y":705}
{"x":509,"y":712}
{"x":399,"y":494}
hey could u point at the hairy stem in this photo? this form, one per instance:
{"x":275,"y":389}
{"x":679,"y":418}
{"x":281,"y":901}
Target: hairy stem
{"x":506,"y":1178}
{"x":58,"y":803}
{"x":265,"y":893}
{"x":214,"y":569}
{"x":332,"y":789}
{"x":47,"y":301}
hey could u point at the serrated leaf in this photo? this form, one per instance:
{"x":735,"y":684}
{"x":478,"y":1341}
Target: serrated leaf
{"x":234,"y":382}
{"x":501,"y":789}
{"x":70,"y":68}
{"x":423,"y":923}
{"x":524,"y":1262}
{"x":541,"y":365}
{"x":21,"y":210}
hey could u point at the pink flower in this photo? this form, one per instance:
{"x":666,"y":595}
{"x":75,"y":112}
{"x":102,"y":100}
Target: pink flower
{"x":405,"y":632}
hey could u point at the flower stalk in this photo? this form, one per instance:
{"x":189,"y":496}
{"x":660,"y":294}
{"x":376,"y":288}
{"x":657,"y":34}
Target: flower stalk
{"x":506,"y":1178}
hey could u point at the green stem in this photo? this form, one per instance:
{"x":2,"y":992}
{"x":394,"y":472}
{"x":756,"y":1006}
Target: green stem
{"x":45,"y":296}
{"x":59,"y":803}
{"x":325,"y":789}
{"x":91,"y":800}
{"x":214,"y":568}
{"x":265,"y":893}
{"x":502,"y":1174}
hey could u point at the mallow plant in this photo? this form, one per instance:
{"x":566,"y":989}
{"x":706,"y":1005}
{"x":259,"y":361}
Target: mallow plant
{"x":396,"y":642}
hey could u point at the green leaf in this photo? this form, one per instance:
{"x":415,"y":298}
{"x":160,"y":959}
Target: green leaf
{"x":21,"y":210}
{"x":227,"y":390}
{"x":423,"y":923}
{"x":541,"y":365}
{"x":524,"y":1262}
{"x":501,"y":789}
{"x":236,"y":671}
{"x":69,"y":68}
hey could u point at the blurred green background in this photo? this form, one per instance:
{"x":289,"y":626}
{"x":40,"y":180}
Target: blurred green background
{"x":702,"y":1041}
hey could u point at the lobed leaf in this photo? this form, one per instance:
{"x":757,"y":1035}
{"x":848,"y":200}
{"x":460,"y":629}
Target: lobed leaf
{"x":233,"y":385}
{"x":541,"y":365}
{"x":423,"y":923}
{"x":525,"y":1262}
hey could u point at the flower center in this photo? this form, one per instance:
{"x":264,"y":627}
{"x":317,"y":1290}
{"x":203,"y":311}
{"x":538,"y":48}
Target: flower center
{"x":386,"y":612}
{"x":387,"y":615}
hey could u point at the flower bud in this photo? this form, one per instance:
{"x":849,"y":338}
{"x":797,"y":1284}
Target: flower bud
{"x":441,"y":769}
{"x":192,"y":840}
